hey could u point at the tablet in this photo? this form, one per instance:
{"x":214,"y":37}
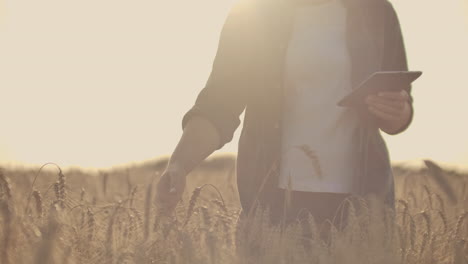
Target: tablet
{"x":379,"y":82}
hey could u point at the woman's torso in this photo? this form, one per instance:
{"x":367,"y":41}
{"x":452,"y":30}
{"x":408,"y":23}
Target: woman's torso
{"x":318,"y":138}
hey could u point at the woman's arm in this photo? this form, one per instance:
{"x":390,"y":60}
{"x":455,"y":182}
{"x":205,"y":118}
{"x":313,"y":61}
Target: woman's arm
{"x":211,"y":122}
{"x":199,"y":139}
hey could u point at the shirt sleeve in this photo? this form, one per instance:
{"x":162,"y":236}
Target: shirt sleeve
{"x":224,"y":96}
{"x":394,"y":58}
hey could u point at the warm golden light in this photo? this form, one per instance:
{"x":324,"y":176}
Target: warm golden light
{"x":96,"y":83}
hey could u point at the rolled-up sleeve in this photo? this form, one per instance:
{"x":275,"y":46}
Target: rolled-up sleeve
{"x":224,"y":96}
{"x":394,"y":58}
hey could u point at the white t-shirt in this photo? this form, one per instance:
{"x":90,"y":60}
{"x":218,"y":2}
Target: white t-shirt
{"x":319,"y":150}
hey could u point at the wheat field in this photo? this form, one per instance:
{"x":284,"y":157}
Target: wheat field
{"x":50,"y":215}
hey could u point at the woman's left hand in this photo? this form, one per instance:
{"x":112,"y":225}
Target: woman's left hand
{"x":392,"y":109}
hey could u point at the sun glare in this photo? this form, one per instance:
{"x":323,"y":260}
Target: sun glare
{"x":97,"y":83}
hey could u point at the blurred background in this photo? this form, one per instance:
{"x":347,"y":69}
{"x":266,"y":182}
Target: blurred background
{"x":95,"y":83}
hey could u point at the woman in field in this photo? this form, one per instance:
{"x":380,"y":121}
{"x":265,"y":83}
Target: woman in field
{"x":287,"y":63}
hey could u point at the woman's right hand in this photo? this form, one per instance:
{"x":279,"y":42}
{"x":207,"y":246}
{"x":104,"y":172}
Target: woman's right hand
{"x":170,"y":188}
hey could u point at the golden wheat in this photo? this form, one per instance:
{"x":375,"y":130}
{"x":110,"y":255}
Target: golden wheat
{"x":110,"y":223}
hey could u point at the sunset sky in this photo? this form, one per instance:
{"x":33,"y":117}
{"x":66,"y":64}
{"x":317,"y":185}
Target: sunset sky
{"x":96,"y":83}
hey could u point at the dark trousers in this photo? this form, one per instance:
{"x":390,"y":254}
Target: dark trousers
{"x":294,"y":207}
{"x":287,"y":209}
{"x":323,"y":207}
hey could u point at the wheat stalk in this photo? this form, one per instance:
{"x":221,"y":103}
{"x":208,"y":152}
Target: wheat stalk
{"x":429,"y":195}
{"x":444,"y":220}
{"x":7,"y":216}
{"x":313,"y":157}
{"x":149,"y":195}
{"x":459,"y":225}
{"x":34,"y":181}
{"x":91,"y":223}
{"x":5,"y":186}
{"x":438,"y":175}
{"x":39,"y":203}
{"x":192,"y":202}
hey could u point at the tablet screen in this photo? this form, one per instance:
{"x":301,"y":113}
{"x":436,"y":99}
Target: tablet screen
{"x":379,"y":82}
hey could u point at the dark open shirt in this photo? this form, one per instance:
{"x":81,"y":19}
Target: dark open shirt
{"x":247,"y":75}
